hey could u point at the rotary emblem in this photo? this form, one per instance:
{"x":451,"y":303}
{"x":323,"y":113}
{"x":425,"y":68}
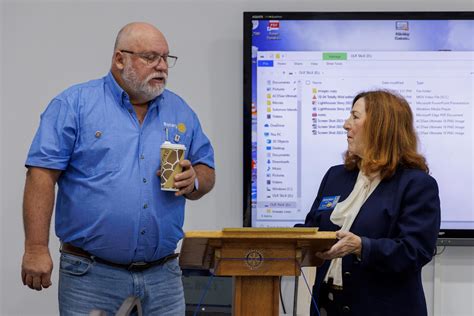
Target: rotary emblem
{"x":254,"y":259}
{"x":181,"y":127}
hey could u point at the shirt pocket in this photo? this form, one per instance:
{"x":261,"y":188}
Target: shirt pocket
{"x":101,"y":151}
{"x":182,"y":139}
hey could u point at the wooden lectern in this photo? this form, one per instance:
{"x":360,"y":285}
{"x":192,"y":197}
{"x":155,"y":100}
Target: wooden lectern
{"x":256,"y":257}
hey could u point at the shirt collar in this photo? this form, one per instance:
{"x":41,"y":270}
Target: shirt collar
{"x":121,"y":95}
{"x":117,"y":91}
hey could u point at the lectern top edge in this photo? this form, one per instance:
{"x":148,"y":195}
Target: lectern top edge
{"x":263,"y":234}
{"x":301,"y":230}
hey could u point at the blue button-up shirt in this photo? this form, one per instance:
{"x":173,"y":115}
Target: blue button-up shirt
{"x":109,"y":200}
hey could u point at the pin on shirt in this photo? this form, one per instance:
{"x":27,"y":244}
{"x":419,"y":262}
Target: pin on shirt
{"x":177,"y":138}
{"x":328,"y":203}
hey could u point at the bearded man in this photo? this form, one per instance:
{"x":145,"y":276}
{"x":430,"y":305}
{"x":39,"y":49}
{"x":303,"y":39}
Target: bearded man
{"x":99,"y":141}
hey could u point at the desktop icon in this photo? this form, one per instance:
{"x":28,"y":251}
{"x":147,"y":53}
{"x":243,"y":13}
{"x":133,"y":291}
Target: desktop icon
{"x":401,"y":25}
{"x":254,"y":24}
{"x":273,"y":25}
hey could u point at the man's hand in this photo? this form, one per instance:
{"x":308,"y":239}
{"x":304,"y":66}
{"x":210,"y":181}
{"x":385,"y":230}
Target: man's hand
{"x":184,"y":181}
{"x":348,"y":243}
{"x":36,"y":268}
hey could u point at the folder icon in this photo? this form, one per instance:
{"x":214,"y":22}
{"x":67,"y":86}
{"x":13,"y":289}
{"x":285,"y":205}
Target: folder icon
{"x":269,"y":102}
{"x":269,"y":96}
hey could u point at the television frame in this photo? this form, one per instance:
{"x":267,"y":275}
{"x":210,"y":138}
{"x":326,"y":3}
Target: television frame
{"x":447,"y":237}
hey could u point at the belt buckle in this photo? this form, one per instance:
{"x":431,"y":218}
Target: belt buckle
{"x":137,"y":266}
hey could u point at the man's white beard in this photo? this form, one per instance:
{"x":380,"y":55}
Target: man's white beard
{"x":143,"y":88}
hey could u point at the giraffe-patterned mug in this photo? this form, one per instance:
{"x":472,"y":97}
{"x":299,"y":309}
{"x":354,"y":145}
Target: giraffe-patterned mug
{"x":171,"y":155}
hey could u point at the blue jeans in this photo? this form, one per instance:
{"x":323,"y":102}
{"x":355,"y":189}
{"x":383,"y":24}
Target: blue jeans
{"x":85,"y":285}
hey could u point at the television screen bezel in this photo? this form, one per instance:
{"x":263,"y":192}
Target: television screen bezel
{"x":447,"y":237}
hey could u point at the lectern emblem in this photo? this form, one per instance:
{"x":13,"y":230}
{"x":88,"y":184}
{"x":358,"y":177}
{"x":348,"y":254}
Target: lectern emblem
{"x":254,"y":259}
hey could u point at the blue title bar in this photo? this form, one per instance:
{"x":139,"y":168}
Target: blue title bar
{"x":265,"y":63}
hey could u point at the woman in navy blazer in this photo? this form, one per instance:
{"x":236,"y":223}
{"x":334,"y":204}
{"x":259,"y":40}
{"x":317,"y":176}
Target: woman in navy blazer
{"x":393,"y":234}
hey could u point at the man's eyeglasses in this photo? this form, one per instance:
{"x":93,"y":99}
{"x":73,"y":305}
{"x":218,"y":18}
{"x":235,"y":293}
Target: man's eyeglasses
{"x":152,"y":59}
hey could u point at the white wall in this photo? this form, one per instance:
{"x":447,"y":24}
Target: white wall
{"x":48,"y":45}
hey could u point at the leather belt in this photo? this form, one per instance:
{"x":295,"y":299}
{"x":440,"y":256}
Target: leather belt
{"x":134,"y":266}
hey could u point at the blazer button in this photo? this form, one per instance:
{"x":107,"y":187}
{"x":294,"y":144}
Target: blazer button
{"x":347,"y":274}
{"x":346,"y":309}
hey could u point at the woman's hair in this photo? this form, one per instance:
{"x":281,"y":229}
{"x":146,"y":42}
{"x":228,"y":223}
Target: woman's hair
{"x":389,"y":136}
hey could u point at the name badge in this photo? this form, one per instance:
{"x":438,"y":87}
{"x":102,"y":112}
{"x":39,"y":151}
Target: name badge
{"x":328,"y":203}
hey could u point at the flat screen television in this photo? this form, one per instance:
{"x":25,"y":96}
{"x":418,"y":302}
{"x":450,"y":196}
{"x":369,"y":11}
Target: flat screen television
{"x":301,"y":72}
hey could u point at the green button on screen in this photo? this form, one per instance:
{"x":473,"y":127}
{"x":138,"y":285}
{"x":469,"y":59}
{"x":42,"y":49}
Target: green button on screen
{"x":334,"y":56}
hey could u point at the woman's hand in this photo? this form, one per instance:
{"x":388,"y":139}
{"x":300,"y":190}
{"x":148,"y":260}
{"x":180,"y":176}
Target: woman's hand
{"x":347,"y":244}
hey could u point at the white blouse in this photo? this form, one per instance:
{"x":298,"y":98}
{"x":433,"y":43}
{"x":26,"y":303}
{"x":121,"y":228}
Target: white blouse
{"x":344,"y":214}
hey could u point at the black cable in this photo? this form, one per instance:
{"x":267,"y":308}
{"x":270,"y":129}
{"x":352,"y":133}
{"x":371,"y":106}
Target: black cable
{"x":281,"y":299}
{"x":295,"y":296}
